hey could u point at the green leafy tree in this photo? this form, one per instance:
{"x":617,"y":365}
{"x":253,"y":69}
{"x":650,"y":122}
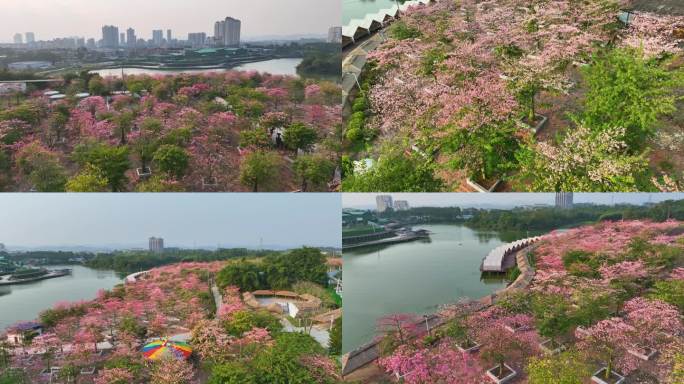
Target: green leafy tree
{"x":243,"y":274}
{"x":255,"y":138}
{"x":233,"y":372}
{"x":123,"y":123}
{"x":670,"y":291}
{"x":394,"y":171}
{"x":172,"y":159}
{"x":112,"y":161}
{"x":159,"y":184}
{"x":585,"y":160}
{"x":626,"y":89}
{"x":566,"y":368}
{"x":299,"y":136}
{"x":551,"y":314}
{"x":42,"y":168}
{"x":243,"y":321}
{"x":281,"y":364}
{"x":260,"y":170}
{"x":303,"y":264}
{"x":96,"y":86}
{"x":335,"y":348}
{"x":90,"y":179}
{"x":314,"y":171}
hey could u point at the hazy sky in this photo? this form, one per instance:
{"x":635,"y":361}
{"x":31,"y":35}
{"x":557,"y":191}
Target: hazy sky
{"x":61,"y":18}
{"x":367,"y":200}
{"x":236,"y":219}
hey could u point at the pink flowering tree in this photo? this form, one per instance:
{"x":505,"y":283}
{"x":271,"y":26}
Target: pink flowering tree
{"x":500,"y":346}
{"x":431,"y":365}
{"x":654,"y":321}
{"x":114,"y":376}
{"x":608,"y":341}
{"x":397,"y":329}
{"x":172,"y":371}
{"x":47,"y":344}
{"x":210,"y":341}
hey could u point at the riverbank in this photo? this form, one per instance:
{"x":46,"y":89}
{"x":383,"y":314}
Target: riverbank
{"x":28,"y":300}
{"x":401,"y":237}
{"x":7,"y":280}
{"x":356,"y":365}
{"x":275,"y":66}
{"x":396,"y":275}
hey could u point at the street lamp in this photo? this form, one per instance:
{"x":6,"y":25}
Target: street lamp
{"x":427,"y":325}
{"x":356,"y":78}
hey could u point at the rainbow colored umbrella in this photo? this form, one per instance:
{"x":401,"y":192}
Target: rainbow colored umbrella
{"x":167,"y":348}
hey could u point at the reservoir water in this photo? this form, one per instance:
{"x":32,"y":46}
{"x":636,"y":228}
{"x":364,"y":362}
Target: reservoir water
{"x":24,"y":302}
{"x":275,"y":67}
{"x":358,"y":9}
{"x":415,"y":277}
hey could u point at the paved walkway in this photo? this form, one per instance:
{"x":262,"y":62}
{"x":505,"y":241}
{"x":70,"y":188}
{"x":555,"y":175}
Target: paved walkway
{"x":355,"y":60}
{"x":322,"y":336}
{"x":218,"y":298}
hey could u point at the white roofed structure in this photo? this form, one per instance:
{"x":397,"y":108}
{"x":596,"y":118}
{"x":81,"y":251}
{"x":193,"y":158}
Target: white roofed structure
{"x":494,"y":261}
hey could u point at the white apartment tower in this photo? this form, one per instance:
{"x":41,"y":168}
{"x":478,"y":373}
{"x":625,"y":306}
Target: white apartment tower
{"x":383,"y":202}
{"x":232,"y":32}
{"x":335,"y":35}
{"x":564,"y":200}
{"x":156,"y":244}
{"x":157,"y":37}
{"x":130,"y":37}
{"x":30,"y":38}
{"x":110,"y":36}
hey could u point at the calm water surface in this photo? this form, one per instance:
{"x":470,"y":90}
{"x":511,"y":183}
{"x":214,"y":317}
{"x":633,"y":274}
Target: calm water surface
{"x":25,"y":301}
{"x":275,"y":67}
{"x":414,"y":277}
{"x":358,"y":9}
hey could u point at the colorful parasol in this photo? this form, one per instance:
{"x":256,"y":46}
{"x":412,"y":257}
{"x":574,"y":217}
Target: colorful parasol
{"x":165,"y":347}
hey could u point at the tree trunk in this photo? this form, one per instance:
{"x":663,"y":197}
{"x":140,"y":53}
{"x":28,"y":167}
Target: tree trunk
{"x":533,"y":113}
{"x":303,"y":184}
{"x":256,"y":187}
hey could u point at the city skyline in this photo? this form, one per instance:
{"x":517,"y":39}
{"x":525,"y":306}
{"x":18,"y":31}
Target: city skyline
{"x":260,"y":19}
{"x":182,"y":220}
{"x":510,"y":200}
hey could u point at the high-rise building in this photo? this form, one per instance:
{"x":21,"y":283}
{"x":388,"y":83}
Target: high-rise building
{"x":122,"y":39}
{"x":400,"y":205}
{"x":110,"y":36}
{"x":168,"y":36}
{"x":2,"y":247}
{"x":231,"y":37}
{"x":158,"y":37}
{"x":30,"y":38}
{"x":219,"y":31}
{"x":156,"y":244}
{"x":130,"y":37}
{"x":90,"y":44}
{"x":197,"y":40}
{"x":335,"y":35}
{"x":18,"y":39}
{"x":564,"y":200}
{"x":383,"y":202}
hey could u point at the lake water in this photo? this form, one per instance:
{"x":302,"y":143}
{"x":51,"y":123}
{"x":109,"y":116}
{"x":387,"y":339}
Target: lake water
{"x":358,"y":9}
{"x":275,"y":67}
{"x":414,"y":277}
{"x":25,"y":301}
